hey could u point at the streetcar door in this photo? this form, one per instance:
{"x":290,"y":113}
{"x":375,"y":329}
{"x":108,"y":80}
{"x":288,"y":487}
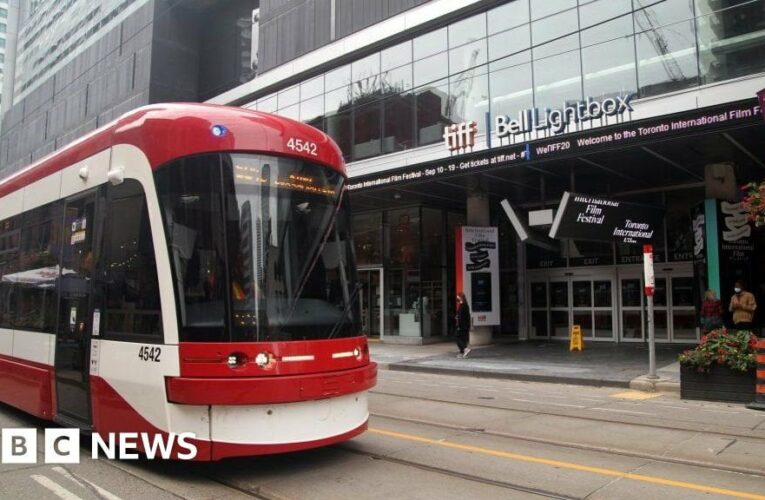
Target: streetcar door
{"x":75,"y":309}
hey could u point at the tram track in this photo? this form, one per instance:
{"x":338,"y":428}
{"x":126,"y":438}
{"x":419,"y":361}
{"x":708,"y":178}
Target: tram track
{"x":455,"y":474}
{"x":706,"y":429}
{"x":578,"y":446}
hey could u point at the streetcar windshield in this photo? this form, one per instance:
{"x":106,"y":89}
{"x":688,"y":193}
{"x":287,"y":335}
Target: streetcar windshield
{"x":260,"y":248}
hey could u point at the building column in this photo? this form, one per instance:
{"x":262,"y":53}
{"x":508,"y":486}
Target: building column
{"x":478,"y":215}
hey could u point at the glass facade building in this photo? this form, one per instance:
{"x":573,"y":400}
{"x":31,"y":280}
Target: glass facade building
{"x":521,"y":55}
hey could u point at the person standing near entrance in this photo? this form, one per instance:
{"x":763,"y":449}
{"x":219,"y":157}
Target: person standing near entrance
{"x":462,"y":319}
{"x":742,"y":305}
{"x":711,"y":312}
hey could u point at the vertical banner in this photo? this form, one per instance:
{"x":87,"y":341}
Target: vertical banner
{"x":477,"y":262}
{"x":736,"y":247}
{"x":700,"y":274}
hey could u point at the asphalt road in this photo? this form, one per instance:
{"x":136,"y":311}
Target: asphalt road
{"x":442,"y":437}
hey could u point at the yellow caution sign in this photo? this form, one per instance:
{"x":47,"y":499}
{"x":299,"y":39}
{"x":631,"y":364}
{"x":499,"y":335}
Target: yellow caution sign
{"x":576,"y":339}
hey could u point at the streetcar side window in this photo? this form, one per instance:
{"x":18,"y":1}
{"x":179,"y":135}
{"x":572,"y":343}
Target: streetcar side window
{"x":10,"y":239}
{"x":38,"y":269}
{"x":129,"y":265}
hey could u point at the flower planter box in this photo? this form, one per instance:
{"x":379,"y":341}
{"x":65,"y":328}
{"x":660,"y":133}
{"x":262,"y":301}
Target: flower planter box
{"x":719,"y":384}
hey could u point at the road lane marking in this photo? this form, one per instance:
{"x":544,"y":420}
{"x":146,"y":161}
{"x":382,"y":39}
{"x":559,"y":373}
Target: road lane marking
{"x":569,"y":465}
{"x":106,"y":494}
{"x":636,"y":395}
{"x":54,"y":488}
{"x":547,"y":403}
{"x":624,"y":411}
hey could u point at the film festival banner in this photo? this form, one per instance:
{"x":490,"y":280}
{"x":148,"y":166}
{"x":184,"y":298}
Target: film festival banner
{"x":586,"y":217}
{"x":736,"y":242}
{"x":477,"y":263}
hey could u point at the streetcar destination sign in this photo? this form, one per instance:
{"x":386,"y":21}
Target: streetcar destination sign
{"x":558,"y":120}
{"x":585,"y":217}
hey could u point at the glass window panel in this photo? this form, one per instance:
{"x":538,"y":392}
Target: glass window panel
{"x":510,"y":42}
{"x":312,"y":87}
{"x":338,"y":126}
{"x":590,"y":253}
{"x":429,"y":44}
{"x":631,"y":292}
{"x":619,"y":28}
{"x":398,"y":123}
{"x":554,"y":27}
{"x":609,"y":69}
{"x":631,"y":325}
{"x":432,"y":238}
{"x":547,"y":7}
{"x":559,"y":46}
{"x":682,"y":292}
{"x":10,"y":240}
{"x":366,"y":67}
{"x":559,"y":323}
{"x":367,"y":130}
{"x":508,"y":15}
{"x":684,"y":325}
{"x":367,"y":238}
{"x":404,"y":234}
{"x":539,"y":323}
{"x":582,"y":293}
{"x":584,"y":320}
{"x":660,"y":292}
{"x":312,"y":110}
{"x":288,"y":97}
{"x":397,"y":79}
{"x":290,"y":112}
{"x":467,"y":56}
{"x":661,"y":13}
{"x":336,"y":100}
{"x":604,"y":325}
{"x":512,"y":90}
{"x":731,"y":41}
{"x":558,"y":81}
{"x":595,"y":12}
{"x":558,"y":294}
{"x":539,"y":295}
{"x":396,"y":55}
{"x":469,"y":97}
{"x":666,"y":57}
{"x":267,"y":104}
{"x":431,"y":69}
{"x":336,"y":78}
{"x":661,"y":329}
{"x":602,"y":291}
{"x":467,"y":30}
{"x":431,"y":112}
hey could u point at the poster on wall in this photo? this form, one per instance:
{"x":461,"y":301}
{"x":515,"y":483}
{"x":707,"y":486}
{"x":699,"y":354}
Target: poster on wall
{"x":477,"y":263}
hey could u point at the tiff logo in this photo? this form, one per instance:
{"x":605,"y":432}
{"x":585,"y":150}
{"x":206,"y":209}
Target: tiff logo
{"x":62,"y":446}
{"x":460,"y":136}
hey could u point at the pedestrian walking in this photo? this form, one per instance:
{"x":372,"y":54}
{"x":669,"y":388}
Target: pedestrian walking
{"x":711,"y":312}
{"x":462,"y":320}
{"x":742,"y":305}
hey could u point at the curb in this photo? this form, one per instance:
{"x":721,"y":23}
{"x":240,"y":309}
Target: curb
{"x":401,"y":367}
{"x":643,"y":383}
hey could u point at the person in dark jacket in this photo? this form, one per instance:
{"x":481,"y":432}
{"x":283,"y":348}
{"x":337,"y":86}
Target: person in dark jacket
{"x":462,"y":331}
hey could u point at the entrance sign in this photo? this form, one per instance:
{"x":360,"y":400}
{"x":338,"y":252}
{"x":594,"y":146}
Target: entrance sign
{"x":477,"y":263}
{"x":585,"y":217}
{"x":460,"y":136}
{"x":558,"y":120}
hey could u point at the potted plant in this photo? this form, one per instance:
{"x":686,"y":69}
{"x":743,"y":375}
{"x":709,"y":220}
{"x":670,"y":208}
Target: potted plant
{"x":754,"y":202}
{"x":720,"y":368}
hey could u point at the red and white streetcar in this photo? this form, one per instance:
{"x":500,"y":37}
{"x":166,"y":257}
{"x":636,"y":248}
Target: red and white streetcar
{"x":187,"y":268}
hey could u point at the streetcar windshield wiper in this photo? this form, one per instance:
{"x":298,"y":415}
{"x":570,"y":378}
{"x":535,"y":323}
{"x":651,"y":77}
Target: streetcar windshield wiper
{"x":346,"y":309}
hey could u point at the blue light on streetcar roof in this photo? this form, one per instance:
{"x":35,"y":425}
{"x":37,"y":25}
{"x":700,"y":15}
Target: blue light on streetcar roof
{"x":219,"y":130}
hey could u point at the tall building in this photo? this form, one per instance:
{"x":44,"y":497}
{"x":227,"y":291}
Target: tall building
{"x":3,"y":40}
{"x":80,"y":64}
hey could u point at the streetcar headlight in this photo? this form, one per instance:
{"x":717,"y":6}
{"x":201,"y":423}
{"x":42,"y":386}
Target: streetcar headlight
{"x":262,"y":359}
{"x":236,"y":360}
{"x":357,"y":353}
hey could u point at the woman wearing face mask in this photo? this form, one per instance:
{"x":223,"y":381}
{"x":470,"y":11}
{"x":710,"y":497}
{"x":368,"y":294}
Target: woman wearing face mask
{"x":742,"y":305}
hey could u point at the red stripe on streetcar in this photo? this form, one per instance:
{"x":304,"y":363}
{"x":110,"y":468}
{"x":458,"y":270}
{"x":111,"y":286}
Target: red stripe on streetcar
{"x":270,"y":390}
{"x":27,"y":385}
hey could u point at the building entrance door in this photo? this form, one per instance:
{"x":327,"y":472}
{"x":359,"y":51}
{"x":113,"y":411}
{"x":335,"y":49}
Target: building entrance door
{"x":370,"y":300}
{"x":674,"y":309}
{"x":559,"y":302}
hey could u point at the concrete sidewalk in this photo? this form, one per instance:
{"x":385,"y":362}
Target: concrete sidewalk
{"x":600,"y":364}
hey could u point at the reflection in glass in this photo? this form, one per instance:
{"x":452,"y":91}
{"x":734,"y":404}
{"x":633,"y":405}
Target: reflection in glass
{"x":468,"y":96}
{"x":539,"y":295}
{"x":396,"y":55}
{"x":512,"y":90}
{"x":631,"y":292}
{"x":682,"y":292}
{"x":397,"y":79}
{"x":598,"y":11}
{"x":660,"y":293}
{"x":367,"y":130}
{"x":288,"y":97}
{"x":398,"y":123}
{"x":312,"y":111}
{"x":539,"y":323}
{"x":554,"y":27}
{"x":367,"y":238}
{"x":312,"y":88}
{"x":632,"y":325}
{"x":609,"y":69}
{"x":365,"y":68}
{"x":508,"y":15}
{"x":661,"y":331}
{"x":467,"y":56}
{"x":604,"y":325}
{"x":684,"y":325}
{"x":431,"y":113}
{"x":514,"y":41}
{"x":430,"y":69}
{"x":582,"y":293}
{"x":429,"y":44}
{"x":558,"y":81}
{"x":267,"y":104}
{"x":467,"y":30}
{"x":337,"y":78}
{"x":558,"y":294}
{"x":602,"y":293}
{"x":666,"y":56}
{"x":559,"y":323}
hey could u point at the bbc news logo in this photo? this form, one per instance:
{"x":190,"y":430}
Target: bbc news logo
{"x":62,"y":446}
